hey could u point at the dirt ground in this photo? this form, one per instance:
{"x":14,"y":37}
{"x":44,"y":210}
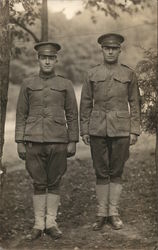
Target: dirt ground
{"x":78,"y":206}
{"x":138,"y":205}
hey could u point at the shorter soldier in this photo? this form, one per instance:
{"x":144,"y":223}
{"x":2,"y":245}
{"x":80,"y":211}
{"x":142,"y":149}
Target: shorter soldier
{"x":110,"y":122}
{"x":46,"y":134}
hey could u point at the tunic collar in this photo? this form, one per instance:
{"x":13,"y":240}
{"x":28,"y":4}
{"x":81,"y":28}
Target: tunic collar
{"x":46,"y":76}
{"x":111,"y":67}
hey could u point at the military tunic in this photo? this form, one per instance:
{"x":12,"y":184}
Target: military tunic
{"x":47,"y":110}
{"x":46,"y":121}
{"x":109,"y":113}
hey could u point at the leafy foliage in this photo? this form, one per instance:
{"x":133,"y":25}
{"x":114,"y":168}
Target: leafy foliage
{"x":21,"y":22}
{"x":113,"y":7}
{"x":147,"y":79}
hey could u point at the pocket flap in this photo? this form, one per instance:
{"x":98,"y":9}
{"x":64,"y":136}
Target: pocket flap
{"x":123,"y":114}
{"x":58,"y":87}
{"x":35,"y":88}
{"x":122,"y":79}
{"x":60,"y":120}
{"x":97,"y":78}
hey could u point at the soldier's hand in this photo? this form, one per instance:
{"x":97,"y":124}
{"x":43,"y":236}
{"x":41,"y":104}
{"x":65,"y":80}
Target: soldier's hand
{"x":86,"y":139}
{"x":133,"y":139}
{"x":21,"y":150}
{"x":71,"y":149}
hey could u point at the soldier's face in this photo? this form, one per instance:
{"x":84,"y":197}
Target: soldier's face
{"x":111,"y":54}
{"x":47,"y":63}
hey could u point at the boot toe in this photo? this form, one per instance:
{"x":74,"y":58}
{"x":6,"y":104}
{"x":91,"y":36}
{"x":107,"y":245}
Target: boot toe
{"x":54,"y":232}
{"x":99,"y":223}
{"x":35,"y":234}
{"x":116,"y":222}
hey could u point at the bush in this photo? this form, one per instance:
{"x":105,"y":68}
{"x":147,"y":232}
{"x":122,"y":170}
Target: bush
{"x":147,"y":79}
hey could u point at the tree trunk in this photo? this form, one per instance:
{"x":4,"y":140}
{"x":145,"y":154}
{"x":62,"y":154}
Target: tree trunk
{"x":156,"y":152}
{"x":44,"y":21}
{"x":4,"y":68}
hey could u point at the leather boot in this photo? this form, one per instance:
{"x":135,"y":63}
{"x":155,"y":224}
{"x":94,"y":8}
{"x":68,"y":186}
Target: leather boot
{"x":100,"y":221}
{"x":116,"y":222}
{"x":35,"y":234}
{"x":54,"y":232}
{"x":114,"y":197}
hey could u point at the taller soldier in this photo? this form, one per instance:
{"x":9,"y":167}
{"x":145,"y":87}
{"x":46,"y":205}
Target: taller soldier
{"x":110,"y":122}
{"x":46,"y":133}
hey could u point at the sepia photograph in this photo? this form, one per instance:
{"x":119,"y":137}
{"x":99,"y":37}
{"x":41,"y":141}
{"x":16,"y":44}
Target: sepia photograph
{"x":78,"y":125}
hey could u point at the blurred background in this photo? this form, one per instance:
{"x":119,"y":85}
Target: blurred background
{"x":76,"y":26}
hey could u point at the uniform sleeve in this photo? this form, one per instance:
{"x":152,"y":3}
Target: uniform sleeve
{"x":134,"y":103}
{"x":86,"y":106}
{"x":21,"y":114}
{"x":71,"y":112}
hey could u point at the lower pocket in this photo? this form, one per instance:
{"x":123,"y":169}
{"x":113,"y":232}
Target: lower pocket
{"x":60,"y":120}
{"x":97,"y":124}
{"x":123,"y":121}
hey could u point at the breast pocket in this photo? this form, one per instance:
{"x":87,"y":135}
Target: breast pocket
{"x":120,"y":85}
{"x":98,"y":88}
{"x":35,"y":94}
{"x":58,"y":94}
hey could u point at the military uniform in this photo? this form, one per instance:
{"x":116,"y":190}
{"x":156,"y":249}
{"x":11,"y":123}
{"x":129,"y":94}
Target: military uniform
{"x":46,"y":121}
{"x":109,"y":113}
{"x":46,"y":114}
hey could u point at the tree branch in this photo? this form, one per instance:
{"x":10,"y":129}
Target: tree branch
{"x":14,"y":21}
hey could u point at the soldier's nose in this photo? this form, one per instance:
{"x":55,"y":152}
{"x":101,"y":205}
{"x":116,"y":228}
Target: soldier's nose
{"x":110,"y":50}
{"x":47,"y":60}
